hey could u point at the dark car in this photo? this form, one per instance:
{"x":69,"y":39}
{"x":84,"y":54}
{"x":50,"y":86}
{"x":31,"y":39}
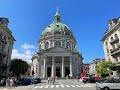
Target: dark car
{"x":24,"y":81}
{"x":38,"y":80}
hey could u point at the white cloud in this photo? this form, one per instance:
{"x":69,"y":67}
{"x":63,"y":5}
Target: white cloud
{"x":25,"y":52}
{"x":26,"y":46}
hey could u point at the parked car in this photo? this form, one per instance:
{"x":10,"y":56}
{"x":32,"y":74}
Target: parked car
{"x":108,"y":84}
{"x":24,"y":81}
{"x":38,"y":80}
{"x":88,"y":79}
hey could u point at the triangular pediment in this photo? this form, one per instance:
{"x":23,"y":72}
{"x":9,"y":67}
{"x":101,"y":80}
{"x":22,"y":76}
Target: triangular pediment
{"x":58,"y":49}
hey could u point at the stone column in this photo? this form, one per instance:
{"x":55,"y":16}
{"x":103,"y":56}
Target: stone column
{"x":53,"y":66}
{"x":63,"y":68}
{"x":44,"y":67}
{"x":71,"y":72}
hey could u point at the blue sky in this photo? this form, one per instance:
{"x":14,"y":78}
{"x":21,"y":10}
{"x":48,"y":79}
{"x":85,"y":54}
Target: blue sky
{"x":88,"y":20}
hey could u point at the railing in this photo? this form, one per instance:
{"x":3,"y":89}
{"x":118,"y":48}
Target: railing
{"x":115,"y":51}
{"x":115,"y":40}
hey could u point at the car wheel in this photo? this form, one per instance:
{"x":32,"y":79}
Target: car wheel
{"x":106,"y":88}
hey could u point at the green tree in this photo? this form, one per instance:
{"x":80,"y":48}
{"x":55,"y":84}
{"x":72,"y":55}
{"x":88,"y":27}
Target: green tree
{"x":18,"y":67}
{"x":105,"y":68}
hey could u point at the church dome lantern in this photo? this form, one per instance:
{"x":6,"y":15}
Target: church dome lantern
{"x":56,"y":27}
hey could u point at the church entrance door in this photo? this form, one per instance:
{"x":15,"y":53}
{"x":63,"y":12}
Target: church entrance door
{"x":48,"y":71}
{"x":58,"y":71}
{"x":67,"y":71}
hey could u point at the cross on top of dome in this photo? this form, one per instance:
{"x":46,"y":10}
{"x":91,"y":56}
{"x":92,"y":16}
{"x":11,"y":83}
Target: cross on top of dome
{"x":57,"y":16}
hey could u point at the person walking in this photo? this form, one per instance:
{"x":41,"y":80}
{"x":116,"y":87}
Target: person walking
{"x":53,"y":80}
{"x":48,"y":79}
{"x":11,"y":83}
{"x":2,"y":82}
{"x":7,"y":82}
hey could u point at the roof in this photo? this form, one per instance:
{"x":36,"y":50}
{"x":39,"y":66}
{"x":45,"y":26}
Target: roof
{"x":57,"y":27}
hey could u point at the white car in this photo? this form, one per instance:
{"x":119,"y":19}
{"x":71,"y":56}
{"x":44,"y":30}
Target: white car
{"x":108,"y":84}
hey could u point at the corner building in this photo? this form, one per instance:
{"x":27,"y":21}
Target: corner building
{"x":57,"y":55}
{"x":111,"y":41}
{"x":6,"y":45}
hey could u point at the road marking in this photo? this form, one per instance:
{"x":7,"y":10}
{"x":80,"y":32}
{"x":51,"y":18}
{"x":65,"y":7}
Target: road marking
{"x":82,"y":85}
{"x":78,"y":86}
{"x":72,"y":85}
{"x":62,"y":86}
{"x":52,"y":86}
{"x":36,"y":86}
{"x":88,"y":86}
{"x":67,"y":86}
{"x":57,"y":86}
{"x":41,"y":86}
{"x":47,"y":86}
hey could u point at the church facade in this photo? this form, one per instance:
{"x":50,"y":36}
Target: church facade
{"x":57,"y":55}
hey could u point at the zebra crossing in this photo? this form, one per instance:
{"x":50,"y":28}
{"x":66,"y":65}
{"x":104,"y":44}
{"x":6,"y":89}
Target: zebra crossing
{"x":61,"y":86}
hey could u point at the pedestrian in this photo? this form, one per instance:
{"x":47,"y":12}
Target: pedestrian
{"x":78,"y":78}
{"x":2,"y":82}
{"x":48,"y":79}
{"x":11,"y":83}
{"x":53,"y":80}
{"x":7,"y":82}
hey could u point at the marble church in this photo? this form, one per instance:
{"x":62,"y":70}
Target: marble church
{"x":57,"y":55}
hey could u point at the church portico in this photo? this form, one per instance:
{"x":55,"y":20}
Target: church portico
{"x":57,"y":54}
{"x":59,"y":66}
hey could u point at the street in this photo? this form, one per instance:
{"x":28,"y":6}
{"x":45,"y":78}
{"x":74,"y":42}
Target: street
{"x":62,"y":84}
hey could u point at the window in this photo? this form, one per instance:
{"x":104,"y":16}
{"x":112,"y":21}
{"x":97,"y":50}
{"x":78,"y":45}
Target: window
{"x":57,"y":43}
{"x":46,"y":45}
{"x":58,"y":59}
{"x":57,"y":25}
{"x":116,"y":37}
{"x":106,"y":44}
{"x":111,"y":39}
{"x":68,"y":45}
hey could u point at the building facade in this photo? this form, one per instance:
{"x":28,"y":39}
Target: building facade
{"x":57,"y":55}
{"x":111,"y":41}
{"x":93,"y":64}
{"x":6,"y":44}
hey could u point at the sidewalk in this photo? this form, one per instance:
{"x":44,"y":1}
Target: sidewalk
{"x":18,"y":87}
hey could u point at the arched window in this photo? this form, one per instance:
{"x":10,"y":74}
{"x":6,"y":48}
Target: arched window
{"x":116,"y":36}
{"x":46,"y":45}
{"x":39,"y":46}
{"x":106,"y":44}
{"x":111,"y":38}
{"x":68,"y":45}
{"x":57,"y":43}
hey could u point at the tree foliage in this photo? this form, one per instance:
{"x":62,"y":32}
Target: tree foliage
{"x":105,"y":68}
{"x":18,"y":67}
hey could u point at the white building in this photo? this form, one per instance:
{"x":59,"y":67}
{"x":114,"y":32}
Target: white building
{"x":111,"y":41}
{"x":93,"y":64}
{"x":6,"y":44}
{"x":57,"y":54}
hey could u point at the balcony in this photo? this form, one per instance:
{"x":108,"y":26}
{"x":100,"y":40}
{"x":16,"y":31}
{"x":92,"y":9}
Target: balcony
{"x":114,"y":40}
{"x":115,"y":51}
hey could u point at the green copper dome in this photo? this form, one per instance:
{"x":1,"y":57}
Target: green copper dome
{"x":56,"y":27}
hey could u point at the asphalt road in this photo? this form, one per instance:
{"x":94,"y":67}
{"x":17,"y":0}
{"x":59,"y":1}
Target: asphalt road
{"x":60,"y":84}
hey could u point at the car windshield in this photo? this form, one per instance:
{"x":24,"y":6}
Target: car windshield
{"x":101,"y":80}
